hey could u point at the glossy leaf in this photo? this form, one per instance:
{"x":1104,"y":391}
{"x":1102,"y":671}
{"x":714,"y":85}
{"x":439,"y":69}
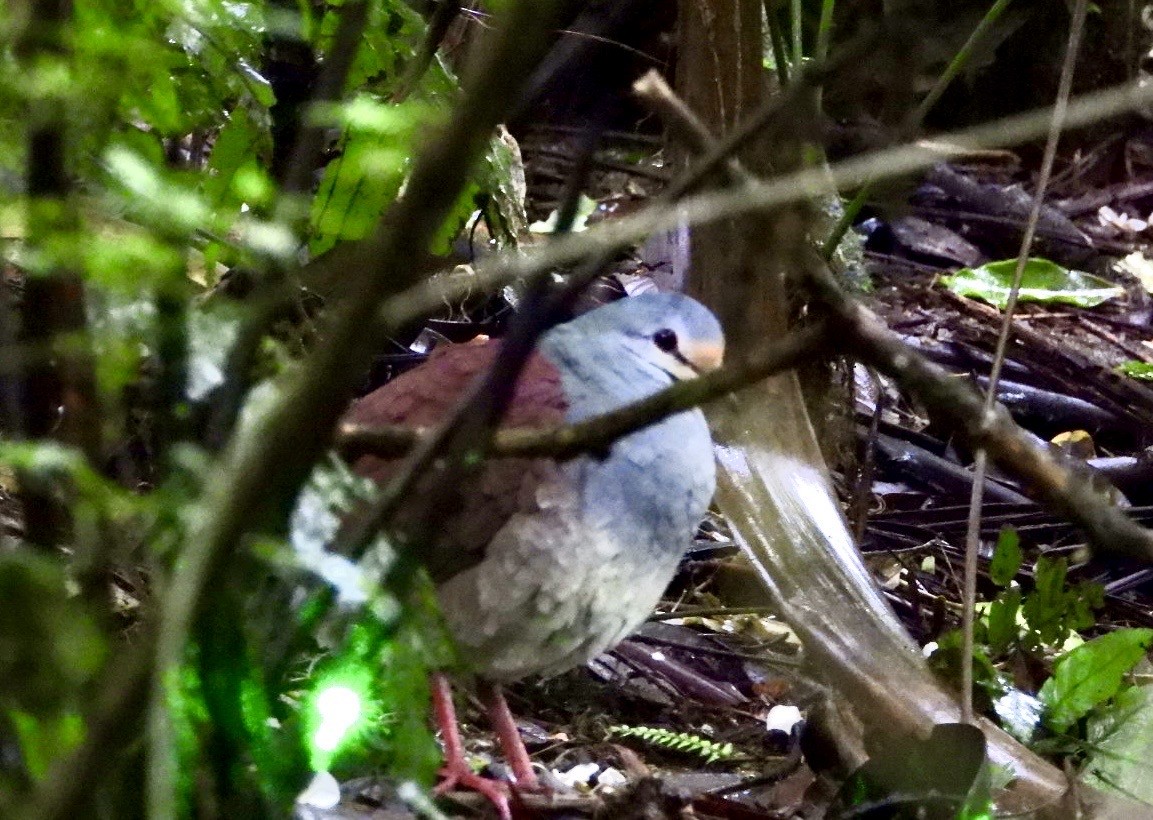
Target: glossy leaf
{"x":1042,"y":281}
{"x":236,"y":147}
{"x":359,"y":184}
{"x":1091,"y":674}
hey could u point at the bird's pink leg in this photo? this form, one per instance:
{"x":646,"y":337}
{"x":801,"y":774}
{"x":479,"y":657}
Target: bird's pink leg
{"x":456,"y":771}
{"x":506,"y":731}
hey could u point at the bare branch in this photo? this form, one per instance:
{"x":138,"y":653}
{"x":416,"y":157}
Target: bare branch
{"x":427,"y":296}
{"x":444,"y":15}
{"x":112,"y":720}
{"x":261,"y":473}
{"x":329,"y":88}
{"x":980,"y":461}
{"x":861,"y":334}
{"x":601,"y":431}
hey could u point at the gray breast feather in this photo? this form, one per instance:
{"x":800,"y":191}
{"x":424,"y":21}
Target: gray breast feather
{"x":574,"y":575}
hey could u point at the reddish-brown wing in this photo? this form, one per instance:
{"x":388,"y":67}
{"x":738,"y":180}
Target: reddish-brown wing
{"x":425,"y":395}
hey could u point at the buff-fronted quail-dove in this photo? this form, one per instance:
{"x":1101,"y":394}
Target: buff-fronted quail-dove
{"x":544,"y":564}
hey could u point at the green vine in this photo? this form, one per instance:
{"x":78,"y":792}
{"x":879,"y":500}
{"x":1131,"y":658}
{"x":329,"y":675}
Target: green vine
{"x":677,"y":741}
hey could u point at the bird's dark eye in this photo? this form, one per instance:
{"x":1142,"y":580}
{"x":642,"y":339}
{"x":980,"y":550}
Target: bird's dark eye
{"x":665,"y":339}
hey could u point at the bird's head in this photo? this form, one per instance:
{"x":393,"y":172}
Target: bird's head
{"x":672,"y":331}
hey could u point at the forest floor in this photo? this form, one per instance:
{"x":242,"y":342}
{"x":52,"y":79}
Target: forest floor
{"x":700,"y":715}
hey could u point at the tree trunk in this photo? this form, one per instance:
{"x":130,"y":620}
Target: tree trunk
{"x":773,"y":483}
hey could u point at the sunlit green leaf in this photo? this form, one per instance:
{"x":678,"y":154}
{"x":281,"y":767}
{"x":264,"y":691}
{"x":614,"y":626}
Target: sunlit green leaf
{"x":355,"y":190}
{"x":144,"y":143}
{"x":366,"y":113}
{"x":1042,"y":281}
{"x":1136,"y":370}
{"x":170,"y":206}
{"x":1091,"y":674}
{"x":235,"y":148}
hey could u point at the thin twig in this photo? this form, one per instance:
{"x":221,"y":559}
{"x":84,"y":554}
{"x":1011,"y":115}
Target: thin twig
{"x":862,"y":334}
{"x":863,"y":489}
{"x":262,"y":472}
{"x":306,"y":149}
{"x":957,"y":64}
{"x":796,"y":20}
{"x":916,"y":120}
{"x":973,"y":534}
{"x":442,"y":18}
{"x":684,"y":125}
{"x":427,"y":296}
{"x":599,"y":432}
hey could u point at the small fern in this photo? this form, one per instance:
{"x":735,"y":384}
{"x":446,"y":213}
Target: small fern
{"x":677,"y":741}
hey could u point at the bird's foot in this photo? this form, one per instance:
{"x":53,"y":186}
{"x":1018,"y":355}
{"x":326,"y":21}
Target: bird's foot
{"x":457,"y":775}
{"x":456,"y":772}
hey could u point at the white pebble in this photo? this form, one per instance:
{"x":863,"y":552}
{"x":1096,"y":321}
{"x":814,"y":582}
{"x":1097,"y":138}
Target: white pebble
{"x":322,"y":793}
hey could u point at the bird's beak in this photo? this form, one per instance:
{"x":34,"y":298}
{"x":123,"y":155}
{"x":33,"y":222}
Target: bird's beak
{"x":703,"y":356}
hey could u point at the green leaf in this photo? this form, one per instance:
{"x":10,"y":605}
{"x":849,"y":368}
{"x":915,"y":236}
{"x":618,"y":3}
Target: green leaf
{"x":354,"y":193}
{"x":1136,"y":370}
{"x":1122,"y":737}
{"x":1091,"y":674}
{"x":1084,"y":598}
{"x":365,"y":113}
{"x":1044,"y":609}
{"x":50,"y":646}
{"x":1003,"y":627}
{"x":1054,"y":608}
{"x":1041,"y":281}
{"x":502,"y":176}
{"x":365,"y":179}
{"x":235,"y":147}
{"x":44,"y":740}
{"x":160,"y":201}
{"x":947,"y":661}
{"x":1006,"y":557}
